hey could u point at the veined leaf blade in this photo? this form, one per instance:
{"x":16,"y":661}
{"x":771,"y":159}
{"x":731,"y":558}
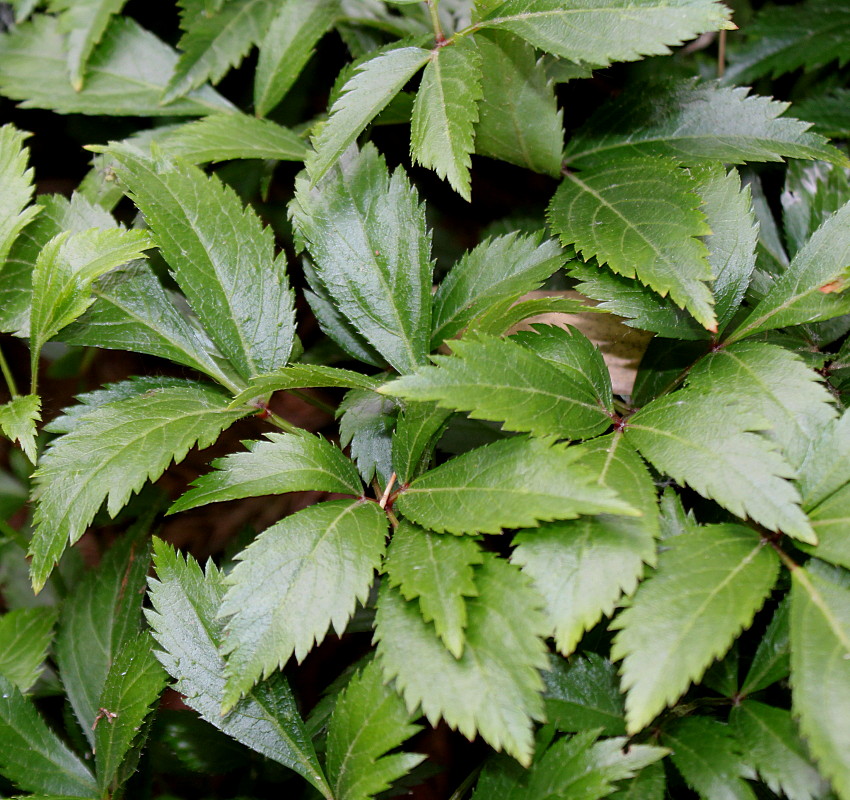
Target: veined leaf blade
{"x":16,"y":180}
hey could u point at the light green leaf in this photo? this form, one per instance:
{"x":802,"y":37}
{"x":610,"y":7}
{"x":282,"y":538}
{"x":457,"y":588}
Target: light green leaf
{"x":503,"y":381}
{"x":820,"y":669}
{"x":132,"y":311}
{"x":710,"y":443}
{"x":293,"y":582}
{"x":222,"y":257}
{"x":696,"y":123}
{"x":771,"y":663}
{"x":133,"y":684}
{"x":707,"y":755}
{"x":125,"y":75}
{"x":584,"y":694}
{"x":18,"y":419}
{"x":829,"y":521}
{"x":285,"y":462}
{"x":439,"y":570}
{"x":85,"y":22}
{"x":25,"y":635}
{"x":363,"y":97}
{"x":367,"y":235}
{"x":812,"y":288}
{"x":58,"y":214}
{"x":368,"y":720}
{"x":99,"y":460}
{"x":708,"y":586}
{"x":185,"y":624}
{"x":216,"y":42}
{"x":222,"y":137}
{"x":33,"y":757}
{"x":572,"y":767}
{"x":17,"y":184}
{"x":494,"y":688}
{"x":582,"y":567}
{"x":64,"y":272}
{"x":768,"y":736}
{"x":514,"y":483}
{"x":773,"y":383}
{"x":287,"y":46}
{"x":606,"y":30}
{"x":302,"y":376}
{"x":781,"y":40}
{"x":498,"y":269}
{"x":518,"y":116}
{"x":99,"y":618}
{"x":641,"y":217}
{"x":445,"y":113}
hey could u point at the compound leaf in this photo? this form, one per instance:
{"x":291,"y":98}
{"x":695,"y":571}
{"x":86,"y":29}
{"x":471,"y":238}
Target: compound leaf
{"x":708,"y":586}
{"x":494,"y":688}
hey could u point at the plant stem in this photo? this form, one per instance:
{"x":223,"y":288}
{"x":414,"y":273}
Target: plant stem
{"x":7,"y":375}
{"x":721,"y":54}
{"x":314,"y":401}
{"x":439,"y":36}
{"x":283,"y":424}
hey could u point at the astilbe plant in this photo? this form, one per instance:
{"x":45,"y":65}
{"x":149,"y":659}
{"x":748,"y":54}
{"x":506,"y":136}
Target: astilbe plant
{"x":639,"y":595}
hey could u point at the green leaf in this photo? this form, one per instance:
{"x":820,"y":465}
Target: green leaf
{"x":708,"y":586}
{"x":85,"y":22}
{"x":445,"y":113}
{"x":509,"y":313}
{"x":133,"y":684}
{"x":64,"y":272}
{"x":518,"y":116}
{"x":696,"y":123}
{"x":812,"y":288}
{"x":16,"y":179}
{"x":503,"y":381}
{"x":25,"y":635}
{"x":649,"y":784}
{"x":132,"y":311}
{"x":501,"y":268}
{"x":18,"y":419}
{"x":363,"y":97}
{"x":58,"y":214}
{"x":828,"y":113}
{"x":812,"y":194}
{"x":711,"y":444}
{"x":99,"y":618}
{"x":222,"y":137}
{"x":293,"y":582}
{"x":582,"y":567}
{"x":771,"y":663}
{"x":32,"y":756}
{"x":222,"y":257}
{"x":125,"y":75}
{"x":573,"y":767}
{"x":216,"y":42}
{"x":494,"y":688}
{"x":301,"y":376}
{"x":829,"y":521}
{"x":641,"y":217}
{"x":773,"y":383}
{"x":369,"y":720}
{"x":285,"y":462}
{"x":513,"y":483}
{"x":584,"y":694}
{"x":287,"y":47}
{"x":99,"y":460}
{"x":601,"y":32}
{"x":185,"y":624}
{"x":367,"y":235}
{"x":366,"y":421}
{"x":780,"y":40}
{"x":707,"y":755}
{"x":772,"y":745}
{"x":439,"y":570}
{"x":418,"y":429}
{"x":820,"y":669}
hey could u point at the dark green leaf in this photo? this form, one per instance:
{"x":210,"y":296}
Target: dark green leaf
{"x":418,"y":428}
{"x":771,"y":662}
{"x":185,"y":622}
{"x":366,"y":422}
{"x":25,"y":635}
{"x":812,"y":194}
{"x":708,"y":586}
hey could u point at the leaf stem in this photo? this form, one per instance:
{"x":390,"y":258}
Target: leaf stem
{"x":314,"y":401}
{"x":439,"y":35}
{"x":386,"y":494}
{"x":7,"y":375}
{"x":280,"y":422}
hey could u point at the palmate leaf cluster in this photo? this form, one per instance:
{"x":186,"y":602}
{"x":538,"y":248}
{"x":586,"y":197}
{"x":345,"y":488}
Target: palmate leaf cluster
{"x":630,"y":592}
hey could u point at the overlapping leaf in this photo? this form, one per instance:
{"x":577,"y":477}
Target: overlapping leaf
{"x":812,"y":193}
{"x":708,"y":586}
{"x":300,"y":376}
{"x":494,"y":688}
{"x":16,"y":180}
{"x":25,"y":635}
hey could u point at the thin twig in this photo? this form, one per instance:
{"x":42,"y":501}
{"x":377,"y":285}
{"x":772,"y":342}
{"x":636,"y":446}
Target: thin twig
{"x":386,"y":495}
{"x":7,"y":374}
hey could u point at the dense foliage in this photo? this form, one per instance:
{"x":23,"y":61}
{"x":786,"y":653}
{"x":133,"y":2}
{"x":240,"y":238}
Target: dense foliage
{"x":638,"y":591}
